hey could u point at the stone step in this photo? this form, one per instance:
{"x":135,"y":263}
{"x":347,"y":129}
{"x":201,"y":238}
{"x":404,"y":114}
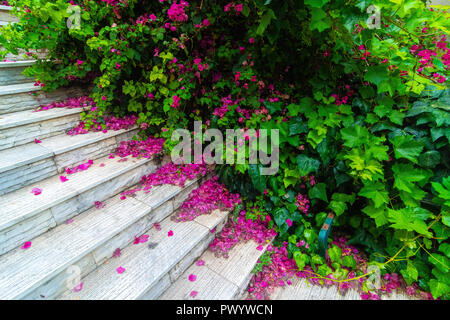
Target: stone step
{"x":5,"y":14}
{"x":26,"y":96}
{"x":30,"y":163}
{"x":41,"y":54}
{"x":23,"y":127}
{"x":41,"y":272}
{"x":26,"y":216}
{"x":300,"y":289}
{"x":11,"y":72}
{"x":219,"y":278}
{"x":152,"y":266}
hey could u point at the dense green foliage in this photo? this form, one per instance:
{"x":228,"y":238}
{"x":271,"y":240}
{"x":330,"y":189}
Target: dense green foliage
{"x":363,"y":113}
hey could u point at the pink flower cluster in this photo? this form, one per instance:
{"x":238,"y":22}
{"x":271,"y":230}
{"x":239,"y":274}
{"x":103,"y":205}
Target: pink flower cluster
{"x":210,"y":196}
{"x":237,"y":7}
{"x":70,"y":103}
{"x":345,"y":97}
{"x":302,"y":203}
{"x":173,"y":174}
{"x":111,"y":123}
{"x":240,"y":229}
{"x":145,"y":149}
{"x":176,"y":11}
{"x":276,"y":274}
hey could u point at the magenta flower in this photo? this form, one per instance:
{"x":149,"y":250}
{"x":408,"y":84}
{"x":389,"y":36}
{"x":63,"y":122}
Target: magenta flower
{"x":200,"y":263}
{"x":63,"y":179}
{"x":289,"y":222}
{"x":193,"y":294}
{"x":170,"y":233}
{"x":120,"y":270}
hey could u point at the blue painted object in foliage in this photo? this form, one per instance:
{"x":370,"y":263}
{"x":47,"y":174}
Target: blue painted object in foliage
{"x":324,"y":233}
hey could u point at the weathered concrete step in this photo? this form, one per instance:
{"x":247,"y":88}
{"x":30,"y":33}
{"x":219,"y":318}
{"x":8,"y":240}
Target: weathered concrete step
{"x":22,"y":118}
{"x":219,"y":278}
{"x":300,"y":289}
{"x":11,"y":72}
{"x":22,"y":55}
{"x":5,"y":14}
{"x":152,"y":266}
{"x":82,"y":245}
{"x":19,"y":128}
{"x":25,"y":215}
{"x":27,"y":164}
{"x":20,"y":97}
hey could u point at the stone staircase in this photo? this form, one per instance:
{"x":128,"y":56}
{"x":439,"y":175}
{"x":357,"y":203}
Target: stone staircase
{"x":72,"y":240}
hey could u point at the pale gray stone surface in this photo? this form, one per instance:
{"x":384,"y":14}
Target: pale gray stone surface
{"x":16,"y":136}
{"x":18,"y":119}
{"x":12,"y":101}
{"x":13,"y":75}
{"x":95,"y":233}
{"x":5,"y":14}
{"x":145,"y":266}
{"x":71,"y":197}
{"x":232,"y":274}
{"x":17,"y":178}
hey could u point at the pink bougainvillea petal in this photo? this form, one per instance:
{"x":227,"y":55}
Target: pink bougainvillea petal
{"x":26,"y":245}
{"x":200,"y":263}
{"x":63,"y":178}
{"x":170,"y":233}
{"x":117,"y":253}
{"x":36,"y":191}
{"x":79,"y":287}
{"x":192,"y":277}
{"x":69,"y":221}
{"x":193,"y":294}
{"x":157,"y":226}
{"x":37,"y":141}
{"x":120,"y":270}
{"x":259,"y":248}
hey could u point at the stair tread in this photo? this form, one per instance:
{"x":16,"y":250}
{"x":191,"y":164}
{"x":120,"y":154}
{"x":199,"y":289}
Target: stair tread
{"x":25,"y":154}
{"x":219,"y":278}
{"x":18,"y":88}
{"x":21,"y":204}
{"x":145,"y":267}
{"x":15,"y":119}
{"x":21,"y":271}
{"x":16,"y":63}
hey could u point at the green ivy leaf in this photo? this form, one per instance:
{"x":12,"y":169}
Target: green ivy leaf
{"x":316,"y":3}
{"x":349,"y":261}
{"x":407,"y":147}
{"x":307,"y":165}
{"x":375,"y":191}
{"x":438,"y":289}
{"x":378,"y":214}
{"x":335,"y":254}
{"x":355,"y":136}
{"x":319,"y":191}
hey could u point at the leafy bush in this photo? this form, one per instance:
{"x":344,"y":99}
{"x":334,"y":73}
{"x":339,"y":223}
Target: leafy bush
{"x":363,"y":112}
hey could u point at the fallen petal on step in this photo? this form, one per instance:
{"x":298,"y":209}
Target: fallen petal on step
{"x":36,"y":191}
{"x":116,"y":253}
{"x":192,"y":277}
{"x":120,"y":270}
{"x":200,"y":263}
{"x":26,"y":245}
{"x":193,"y":294}
{"x":37,"y":141}
{"x":63,"y":179}
{"x":259,"y":248}
{"x":78,"y":288}
{"x":170,"y":233}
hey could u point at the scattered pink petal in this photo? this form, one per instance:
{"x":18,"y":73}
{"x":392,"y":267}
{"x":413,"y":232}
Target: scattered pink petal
{"x":63,"y":178}
{"x":259,"y":248}
{"x":102,"y":164}
{"x":120,"y":270}
{"x":36,"y":191}
{"x":157,"y":226}
{"x":116,"y":253}
{"x":289,"y":222}
{"x":37,"y":141}
{"x":78,"y":288}
{"x":141,"y":239}
{"x":26,"y":245}
{"x":99,"y":205}
{"x":200,"y":263}
{"x":213,"y":230}
{"x":170,"y":233}
{"x":192,"y":277}
{"x":193,"y":294}
{"x":69,"y":221}
{"x":123,"y":197}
